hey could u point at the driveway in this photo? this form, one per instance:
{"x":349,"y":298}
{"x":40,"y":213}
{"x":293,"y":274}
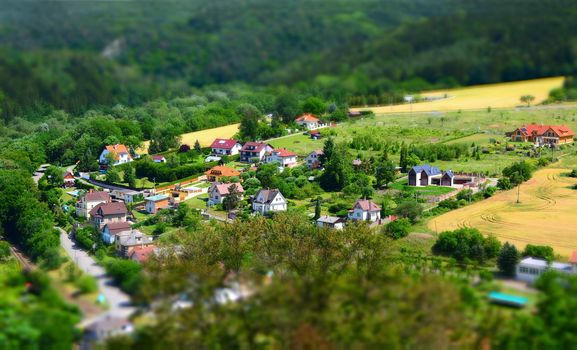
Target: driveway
{"x":119,"y":302}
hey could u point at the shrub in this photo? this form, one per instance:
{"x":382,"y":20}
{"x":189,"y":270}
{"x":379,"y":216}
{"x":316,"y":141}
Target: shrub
{"x":51,"y":259}
{"x":410,"y":209}
{"x":4,"y":251}
{"x":466,"y":243}
{"x":573,"y":173}
{"x":398,"y":228}
{"x":539,"y":251}
{"x":86,"y":284}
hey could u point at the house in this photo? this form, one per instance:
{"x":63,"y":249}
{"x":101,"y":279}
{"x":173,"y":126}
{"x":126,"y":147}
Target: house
{"x":225,"y":147}
{"x":69,"y":179}
{"x":107,"y":213}
{"x":284,"y":157}
{"x":331,"y":222}
{"x":218,"y":192}
{"x":266,"y":201}
{"x":89,"y":200}
{"x":254,"y":151}
{"x":100,"y":330}
{"x":427,"y":175}
{"x":365,"y":210}
{"x":308,"y":121}
{"x":529,"y":269}
{"x":313,"y":160}
{"x":217,"y":173}
{"x":126,"y":195}
{"x":109,"y":231}
{"x":158,"y":159}
{"x":128,"y":240}
{"x":153,"y":204}
{"x":142,"y":254}
{"x":315,"y":134}
{"x":543,"y":134}
{"x":119,"y":153}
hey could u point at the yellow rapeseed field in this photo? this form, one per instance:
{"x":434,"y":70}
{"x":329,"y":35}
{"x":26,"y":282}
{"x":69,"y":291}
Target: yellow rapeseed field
{"x":503,"y":95}
{"x":204,"y":137}
{"x":546,"y":214}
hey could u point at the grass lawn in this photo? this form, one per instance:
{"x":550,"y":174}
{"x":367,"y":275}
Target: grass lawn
{"x":423,"y":191}
{"x":478,"y":139}
{"x":301,"y":144}
{"x":198,"y":202}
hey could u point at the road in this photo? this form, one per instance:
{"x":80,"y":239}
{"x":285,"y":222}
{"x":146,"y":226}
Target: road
{"x":119,"y":302}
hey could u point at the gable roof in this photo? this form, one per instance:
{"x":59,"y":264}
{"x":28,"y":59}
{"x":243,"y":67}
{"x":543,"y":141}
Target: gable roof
{"x":429,"y":170}
{"x":329,"y":219}
{"x":449,"y":173}
{"x":142,"y":254}
{"x":540,"y":129}
{"x":268,"y":195}
{"x":223,"y":188}
{"x":68,"y":176}
{"x":366,"y":205}
{"x":158,"y":157}
{"x":95,"y":196}
{"x":318,"y":152}
{"x":109,"y":208}
{"x":307,"y":118}
{"x":117,"y":227}
{"x":156,"y":198}
{"x":223,"y":143}
{"x":283,"y":152}
{"x":221,"y":170}
{"x":118,"y":149}
{"x":133,"y":238}
{"x":254,"y":146}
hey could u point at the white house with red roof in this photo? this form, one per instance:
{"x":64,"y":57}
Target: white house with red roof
{"x":218,"y":192}
{"x":254,"y":151}
{"x":69,"y":179}
{"x":225,"y":147}
{"x":283,"y":156}
{"x":159,"y":159}
{"x":365,"y":210}
{"x":90,"y":200}
{"x":119,"y":152}
{"x":543,"y":134}
{"x":308,"y":121}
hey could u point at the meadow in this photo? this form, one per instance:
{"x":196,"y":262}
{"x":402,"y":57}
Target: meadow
{"x":503,"y":95}
{"x":545,"y":213}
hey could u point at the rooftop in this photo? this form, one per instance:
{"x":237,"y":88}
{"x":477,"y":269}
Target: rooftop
{"x":156,"y":198}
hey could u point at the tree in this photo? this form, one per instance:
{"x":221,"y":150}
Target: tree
{"x":112,"y":175}
{"x":249,"y":122}
{"x":314,"y":105}
{"x":507,"y":259}
{"x":54,"y":176}
{"x":317,"y":209}
{"x":184,"y":148}
{"x":197,"y":147}
{"x":398,"y":228}
{"x":385,"y":173}
{"x":527,"y":99}
{"x":287,"y":107}
{"x":338,"y":169}
{"x":411,"y":210}
{"x":404,"y":155}
{"x":328,"y":149}
{"x":539,"y":251}
{"x":130,"y":176}
{"x":232,"y":200}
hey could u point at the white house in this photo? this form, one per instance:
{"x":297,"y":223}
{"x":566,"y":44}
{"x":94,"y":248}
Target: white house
{"x":365,"y":210}
{"x":284,"y":157}
{"x":529,"y":269}
{"x":159,"y":159}
{"x":120,"y":153}
{"x":254,"y":151}
{"x":218,"y":192}
{"x":331,"y":222}
{"x":89,"y":200}
{"x":308,"y":121}
{"x":225,"y":147}
{"x":266,"y":201}
{"x":313,"y":160}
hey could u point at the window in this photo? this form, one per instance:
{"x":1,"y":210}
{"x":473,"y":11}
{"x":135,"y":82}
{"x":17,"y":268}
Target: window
{"x":533,"y":271}
{"x":523,"y":269}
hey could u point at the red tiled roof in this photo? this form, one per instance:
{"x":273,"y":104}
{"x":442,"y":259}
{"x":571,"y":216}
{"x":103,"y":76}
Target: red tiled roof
{"x":118,"y":148}
{"x":221,"y":170}
{"x":573,"y":258}
{"x":223,"y":188}
{"x":283,"y":152}
{"x":158,"y":157}
{"x":258,"y":146}
{"x":539,"y":129}
{"x":142,"y":254}
{"x":94,"y":196}
{"x":68,"y":176}
{"x":367,"y":205}
{"x":307,"y":118}
{"x":110,"y":208}
{"x":223,"y":143}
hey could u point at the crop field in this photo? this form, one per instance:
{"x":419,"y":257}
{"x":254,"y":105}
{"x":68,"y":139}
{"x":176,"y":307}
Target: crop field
{"x":503,"y":95}
{"x":545,"y":215}
{"x":204,"y":137}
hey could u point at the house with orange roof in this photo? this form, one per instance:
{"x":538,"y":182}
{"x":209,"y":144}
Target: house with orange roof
{"x":69,"y":179}
{"x":308,"y":121}
{"x":215,"y":174}
{"x":543,"y":134}
{"x":283,"y":156}
{"x":119,"y":153}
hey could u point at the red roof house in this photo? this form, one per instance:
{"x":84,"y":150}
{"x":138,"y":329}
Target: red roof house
{"x":308,"y":121}
{"x":543,"y":134}
{"x":227,"y":147}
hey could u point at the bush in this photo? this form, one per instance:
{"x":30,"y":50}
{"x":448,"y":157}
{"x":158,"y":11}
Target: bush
{"x":51,"y":259}
{"x":573,"y":173}
{"x":539,"y":251}
{"x":86,"y":284}
{"x":466,"y":243}
{"x":87,"y":237}
{"x":125,"y":272}
{"x":410,"y":210}
{"x":398,"y":228}
{"x":4,"y":251}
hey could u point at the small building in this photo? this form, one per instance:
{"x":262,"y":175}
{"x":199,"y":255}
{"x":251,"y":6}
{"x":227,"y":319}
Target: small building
{"x":217,"y":173}
{"x":159,"y":159}
{"x":127,"y":196}
{"x":254,"y":151}
{"x":218,"y":192}
{"x":427,"y":175}
{"x":315,"y":134}
{"x":128,"y":240}
{"x":109,"y":231}
{"x":89,"y":200}
{"x":365,"y":210}
{"x":334,"y":222}
{"x":225,"y":147}
{"x":543,"y":134}
{"x":153,"y":204}
{"x":529,"y":269}
{"x":108,"y":326}
{"x":313,"y":160}
{"x":142,"y":254}
{"x":284,"y":157}
{"x":269,"y":200}
{"x":119,"y":152}
{"x":69,"y":179}
{"x":308,"y":121}
{"x":108,"y":213}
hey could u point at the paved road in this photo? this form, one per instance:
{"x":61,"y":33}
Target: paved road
{"x":119,"y":302}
